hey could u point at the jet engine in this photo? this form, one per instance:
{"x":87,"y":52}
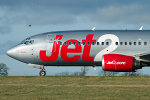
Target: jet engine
{"x":120,"y":63}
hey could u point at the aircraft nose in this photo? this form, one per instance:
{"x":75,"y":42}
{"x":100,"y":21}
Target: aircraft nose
{"x":11,"y":52}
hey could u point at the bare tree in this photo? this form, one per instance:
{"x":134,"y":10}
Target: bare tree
{"x":63,"y":74}
{"x":76,"y":74}
{"x":84,"y":71}
{"x":68,"y":74}
{"x":3,"y":69}
{"x":107,"y":73}
{"x":138,"y":73}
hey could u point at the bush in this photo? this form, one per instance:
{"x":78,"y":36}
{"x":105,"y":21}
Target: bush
{"x":3,"y":69}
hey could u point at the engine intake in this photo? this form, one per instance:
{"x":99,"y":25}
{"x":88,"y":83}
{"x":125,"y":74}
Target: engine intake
{"x":120,"y":63}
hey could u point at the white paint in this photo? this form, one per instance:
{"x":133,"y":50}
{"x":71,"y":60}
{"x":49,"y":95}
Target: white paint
{"x":110,"y":48}
{"x":116,"y":63}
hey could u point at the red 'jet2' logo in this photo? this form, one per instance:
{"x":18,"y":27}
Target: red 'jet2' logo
{"x":64,"y":50}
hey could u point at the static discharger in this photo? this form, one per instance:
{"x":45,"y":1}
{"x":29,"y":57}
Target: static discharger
{"x":94,"y":68}
{"x":93,"y":29}
{"x":141,"y":28}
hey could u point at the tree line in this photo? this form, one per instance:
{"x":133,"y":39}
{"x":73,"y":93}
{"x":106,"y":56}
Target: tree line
{"x":84,"y":71}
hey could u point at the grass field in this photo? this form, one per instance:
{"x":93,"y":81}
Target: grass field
{"x":74,"y":88}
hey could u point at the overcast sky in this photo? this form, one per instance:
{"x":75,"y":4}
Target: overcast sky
{"x":56,"y":15}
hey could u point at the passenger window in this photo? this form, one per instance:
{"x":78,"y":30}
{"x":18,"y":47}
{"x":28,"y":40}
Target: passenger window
{"x":121,"y":43}
{"x":93,"y":43}
{"x":145,"y":43}
{"x":116,"y":43}
{"x":139,"y":43}
{"x":74,"y":43}
{"x":97,"y":43}
{"x":130,"y":43}
{"x":60,"y":43}
{"x":134,"y":43}
{"x":125,"y":43}
{"x":102,"y":43}
{"x":65,"y":43}
{"x":107,"y":43}
{"x":83,"y":43}
{"x":79,"y":43}
{"x":88,"y":43}
{"x":69,"y":43}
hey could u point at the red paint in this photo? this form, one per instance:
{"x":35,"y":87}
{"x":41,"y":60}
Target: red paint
{"x":22,"y":52}
{"x":59,"y":37}
{"x":117,"y":62}
{"x":86,"y":51}
{"x":65,"y":50}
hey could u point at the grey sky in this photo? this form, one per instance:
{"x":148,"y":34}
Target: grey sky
{"x":55,"y":15}
{"x":43,"y":12}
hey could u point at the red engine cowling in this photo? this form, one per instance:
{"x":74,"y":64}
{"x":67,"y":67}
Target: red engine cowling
{"x":120,"y":63}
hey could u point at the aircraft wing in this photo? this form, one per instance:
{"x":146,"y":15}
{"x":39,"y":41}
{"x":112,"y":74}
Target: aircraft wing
{"x":144,"y":56}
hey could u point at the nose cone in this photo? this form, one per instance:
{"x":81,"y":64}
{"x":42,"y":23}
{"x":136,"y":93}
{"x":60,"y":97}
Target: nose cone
{"x":11,"y":52}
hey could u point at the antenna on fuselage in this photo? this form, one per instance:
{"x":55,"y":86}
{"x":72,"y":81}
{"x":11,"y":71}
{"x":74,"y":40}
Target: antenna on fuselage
{"x":141,"y":28}
{"x":93,"y":29}
{"x":94,"y":67}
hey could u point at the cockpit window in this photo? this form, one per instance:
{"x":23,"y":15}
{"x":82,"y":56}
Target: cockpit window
{"x":32,"y":41}
{"x":23,"y":42}
{"x":27,"y":41}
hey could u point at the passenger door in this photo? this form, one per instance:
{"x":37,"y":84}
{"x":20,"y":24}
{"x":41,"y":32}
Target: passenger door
{"x":50,"y":42}
{"x":140,"y":44}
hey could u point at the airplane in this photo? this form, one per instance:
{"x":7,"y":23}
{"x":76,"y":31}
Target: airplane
{"x":114,"y":50}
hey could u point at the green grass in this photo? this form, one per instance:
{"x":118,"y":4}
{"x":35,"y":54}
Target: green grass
{"x":74,"y":88}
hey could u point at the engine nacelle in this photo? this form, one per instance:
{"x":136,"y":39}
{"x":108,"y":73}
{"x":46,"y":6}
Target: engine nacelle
{"x":120,"y":63}
{"x":36,"y":66}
